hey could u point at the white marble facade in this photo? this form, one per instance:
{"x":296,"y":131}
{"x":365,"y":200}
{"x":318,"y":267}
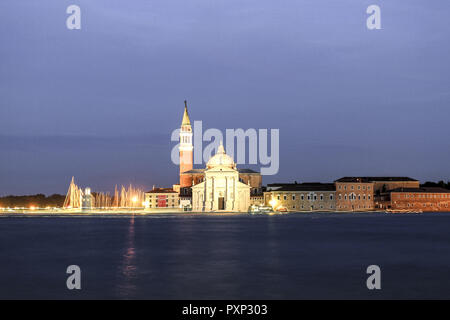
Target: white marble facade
{"x":221,"y":189}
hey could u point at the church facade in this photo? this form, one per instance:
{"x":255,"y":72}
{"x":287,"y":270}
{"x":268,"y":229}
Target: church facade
{"x":219,"y":186}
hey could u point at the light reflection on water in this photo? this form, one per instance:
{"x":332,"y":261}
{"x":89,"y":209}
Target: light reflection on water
{"x":128,"y":268}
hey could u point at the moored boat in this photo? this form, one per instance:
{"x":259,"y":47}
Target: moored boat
{"x":260,"y":209}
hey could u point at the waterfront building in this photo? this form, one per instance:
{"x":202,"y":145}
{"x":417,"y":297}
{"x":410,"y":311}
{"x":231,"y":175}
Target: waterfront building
{"x":423,"y":199}
{"x":161,"y":198}
{"x":190,"y":176}
{"x":354,"y":194}
{"x":368,"y":193}
{"x":221,"y":188}
{"x":257,"y":199}
{"x":87,"y":199}
{"x":312,"y":196}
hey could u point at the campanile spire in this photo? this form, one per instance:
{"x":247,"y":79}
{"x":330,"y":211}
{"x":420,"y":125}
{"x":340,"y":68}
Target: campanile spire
{"x":186,"y":121}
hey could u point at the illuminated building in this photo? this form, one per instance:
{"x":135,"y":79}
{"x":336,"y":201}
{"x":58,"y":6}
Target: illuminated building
{"x":368,"y":193}
{"x":221,"y":188}
{"x":87,"y":199}
{"x":161,"y":198}
{"x":190,"y":177}
{"x":423,"y":199}
{"x":310,"y":196}
{"x":186,"y":148}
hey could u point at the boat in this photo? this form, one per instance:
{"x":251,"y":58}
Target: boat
{"x":282,"y":210}
{"x":260,"y":209}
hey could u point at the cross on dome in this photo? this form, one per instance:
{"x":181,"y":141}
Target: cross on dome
{"x":221,"y":149}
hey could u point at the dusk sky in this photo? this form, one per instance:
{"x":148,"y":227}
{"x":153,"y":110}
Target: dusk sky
{"x":100,"y":103}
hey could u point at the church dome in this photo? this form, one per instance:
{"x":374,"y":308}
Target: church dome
{"x":221,"y":159}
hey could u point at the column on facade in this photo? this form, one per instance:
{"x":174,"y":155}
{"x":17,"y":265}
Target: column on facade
{"x":205,"y":195}
{"x":212,"y":193}
{"x":226,"y":195}
{"x":234,"y":193}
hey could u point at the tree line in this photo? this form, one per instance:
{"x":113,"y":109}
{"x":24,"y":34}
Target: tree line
{"x":440,"y":184}
{"x":37,"y":200}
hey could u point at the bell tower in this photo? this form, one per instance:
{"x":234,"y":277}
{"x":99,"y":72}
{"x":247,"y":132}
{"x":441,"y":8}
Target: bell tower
{"x":186,"y":148}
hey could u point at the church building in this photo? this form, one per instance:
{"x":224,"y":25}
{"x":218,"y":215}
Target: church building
{"x":220,"y":186}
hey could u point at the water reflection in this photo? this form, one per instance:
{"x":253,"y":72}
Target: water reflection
{"x":248,"y":257}
{"x":128,"y":269}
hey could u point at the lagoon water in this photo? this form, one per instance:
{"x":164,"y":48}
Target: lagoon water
{"x":295,"y":256}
